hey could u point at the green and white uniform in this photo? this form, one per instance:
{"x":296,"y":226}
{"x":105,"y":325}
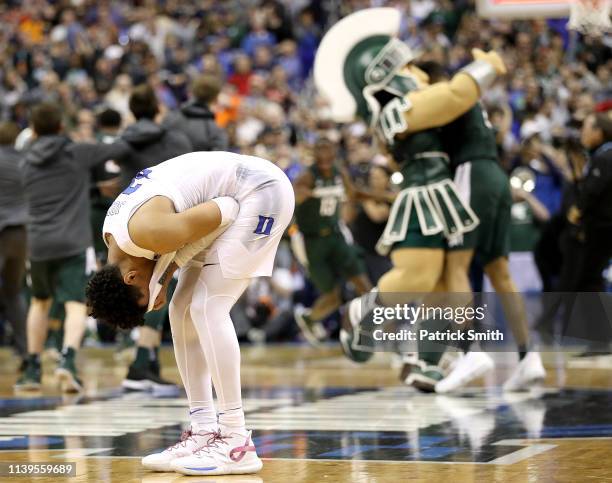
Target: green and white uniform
{"x":329,"y":254}
{"x":470,"y":142}
{"x":360,"y":68}
{"x":428,"y":212}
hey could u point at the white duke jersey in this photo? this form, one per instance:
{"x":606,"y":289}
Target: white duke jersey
{"x":259,"y":186}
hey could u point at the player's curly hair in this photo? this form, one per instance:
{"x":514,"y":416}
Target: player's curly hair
{"x":113,"y":301}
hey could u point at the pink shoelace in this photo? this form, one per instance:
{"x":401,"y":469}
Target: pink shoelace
{"x":216,"y":439}
{"x":187,"y":435}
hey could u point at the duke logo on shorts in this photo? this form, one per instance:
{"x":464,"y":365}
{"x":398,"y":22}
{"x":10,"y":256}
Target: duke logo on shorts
{"x":264,"y":226}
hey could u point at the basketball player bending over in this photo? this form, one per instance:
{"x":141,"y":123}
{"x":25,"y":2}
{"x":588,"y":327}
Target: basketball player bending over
{"x":220,"y":216}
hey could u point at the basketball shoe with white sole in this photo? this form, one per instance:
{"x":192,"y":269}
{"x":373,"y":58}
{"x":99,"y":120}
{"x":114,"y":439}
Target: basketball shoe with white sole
{"x":422,"y":375}
{"x":530,"y":372}
{"x":313,"y":330}
{"x":467,"y":368}
{"x":188,"y":443}
{"x":227,"y":454}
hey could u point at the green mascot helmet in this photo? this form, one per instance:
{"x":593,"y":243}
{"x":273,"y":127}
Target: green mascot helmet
{"x":359,"y":57}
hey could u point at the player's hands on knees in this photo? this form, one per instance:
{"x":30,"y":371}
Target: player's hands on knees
{"x":492,"y":58}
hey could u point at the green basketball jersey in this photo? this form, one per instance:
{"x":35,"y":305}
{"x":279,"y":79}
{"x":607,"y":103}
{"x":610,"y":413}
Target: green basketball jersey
{"x":320,"y":214}
{"x":470,"y":137}
{"x":421,"y":157}
{"x":428,"y":212}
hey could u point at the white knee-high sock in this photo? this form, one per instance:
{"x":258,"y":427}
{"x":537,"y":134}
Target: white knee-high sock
{"x":212,"y":300}
{"x":189,"y":355}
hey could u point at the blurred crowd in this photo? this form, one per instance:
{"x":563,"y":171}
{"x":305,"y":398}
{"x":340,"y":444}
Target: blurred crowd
{"x":90,"y":56}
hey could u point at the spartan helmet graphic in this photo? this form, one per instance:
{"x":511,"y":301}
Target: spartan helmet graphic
{"x":358,"y":63}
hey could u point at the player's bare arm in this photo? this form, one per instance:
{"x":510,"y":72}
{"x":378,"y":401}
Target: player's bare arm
{"x":157,"y":227}
{"x":443,"y":102}
{"x":303,"y":186}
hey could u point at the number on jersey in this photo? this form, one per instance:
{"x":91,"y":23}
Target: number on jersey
{"x":328,"y":206}
{"x":134,"y":185}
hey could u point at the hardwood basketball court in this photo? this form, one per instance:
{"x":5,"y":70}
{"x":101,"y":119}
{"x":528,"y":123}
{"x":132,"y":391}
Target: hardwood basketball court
{"x":318,"y":417}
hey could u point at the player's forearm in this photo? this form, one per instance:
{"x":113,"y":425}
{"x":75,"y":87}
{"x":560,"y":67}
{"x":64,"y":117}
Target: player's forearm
{"x":441,"y":103}
{"x":444,"y":102}
{"x":170,"y":232}
{"x":199,"y":221}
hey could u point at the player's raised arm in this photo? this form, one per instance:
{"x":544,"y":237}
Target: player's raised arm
{"x":157,"y":228}
{"x":443,"y":102}
{"x":93,"y":154}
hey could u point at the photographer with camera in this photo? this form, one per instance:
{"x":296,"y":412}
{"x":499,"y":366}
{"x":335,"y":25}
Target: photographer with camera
{"x":593,"y":209}
{"x":591,"y":218}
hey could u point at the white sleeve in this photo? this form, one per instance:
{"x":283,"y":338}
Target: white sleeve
{"x":229,"y":211}
{"x":228,"y":207}
{"x":185,"y":255}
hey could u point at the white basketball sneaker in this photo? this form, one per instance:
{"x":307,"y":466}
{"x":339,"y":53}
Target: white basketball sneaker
{"x":530,"y":372}
{"x":188,"y":443}
{"x":469,"y":367}
{"x":226,"y":454}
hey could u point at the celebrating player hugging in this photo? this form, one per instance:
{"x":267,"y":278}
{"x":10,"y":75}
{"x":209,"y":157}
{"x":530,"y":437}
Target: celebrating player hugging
{"x":218,"y":217}
{"x":367,"y":72}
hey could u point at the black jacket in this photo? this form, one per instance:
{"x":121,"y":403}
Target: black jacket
{"x":56,"y":181}
{"x":149,"y":144}
{"x":13,"y":208}
{"x":197,"y":122}
{"x":595,"y":195}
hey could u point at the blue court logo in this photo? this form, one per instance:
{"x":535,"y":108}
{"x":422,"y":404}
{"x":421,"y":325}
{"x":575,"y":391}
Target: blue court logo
{"x":264,"y":226}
